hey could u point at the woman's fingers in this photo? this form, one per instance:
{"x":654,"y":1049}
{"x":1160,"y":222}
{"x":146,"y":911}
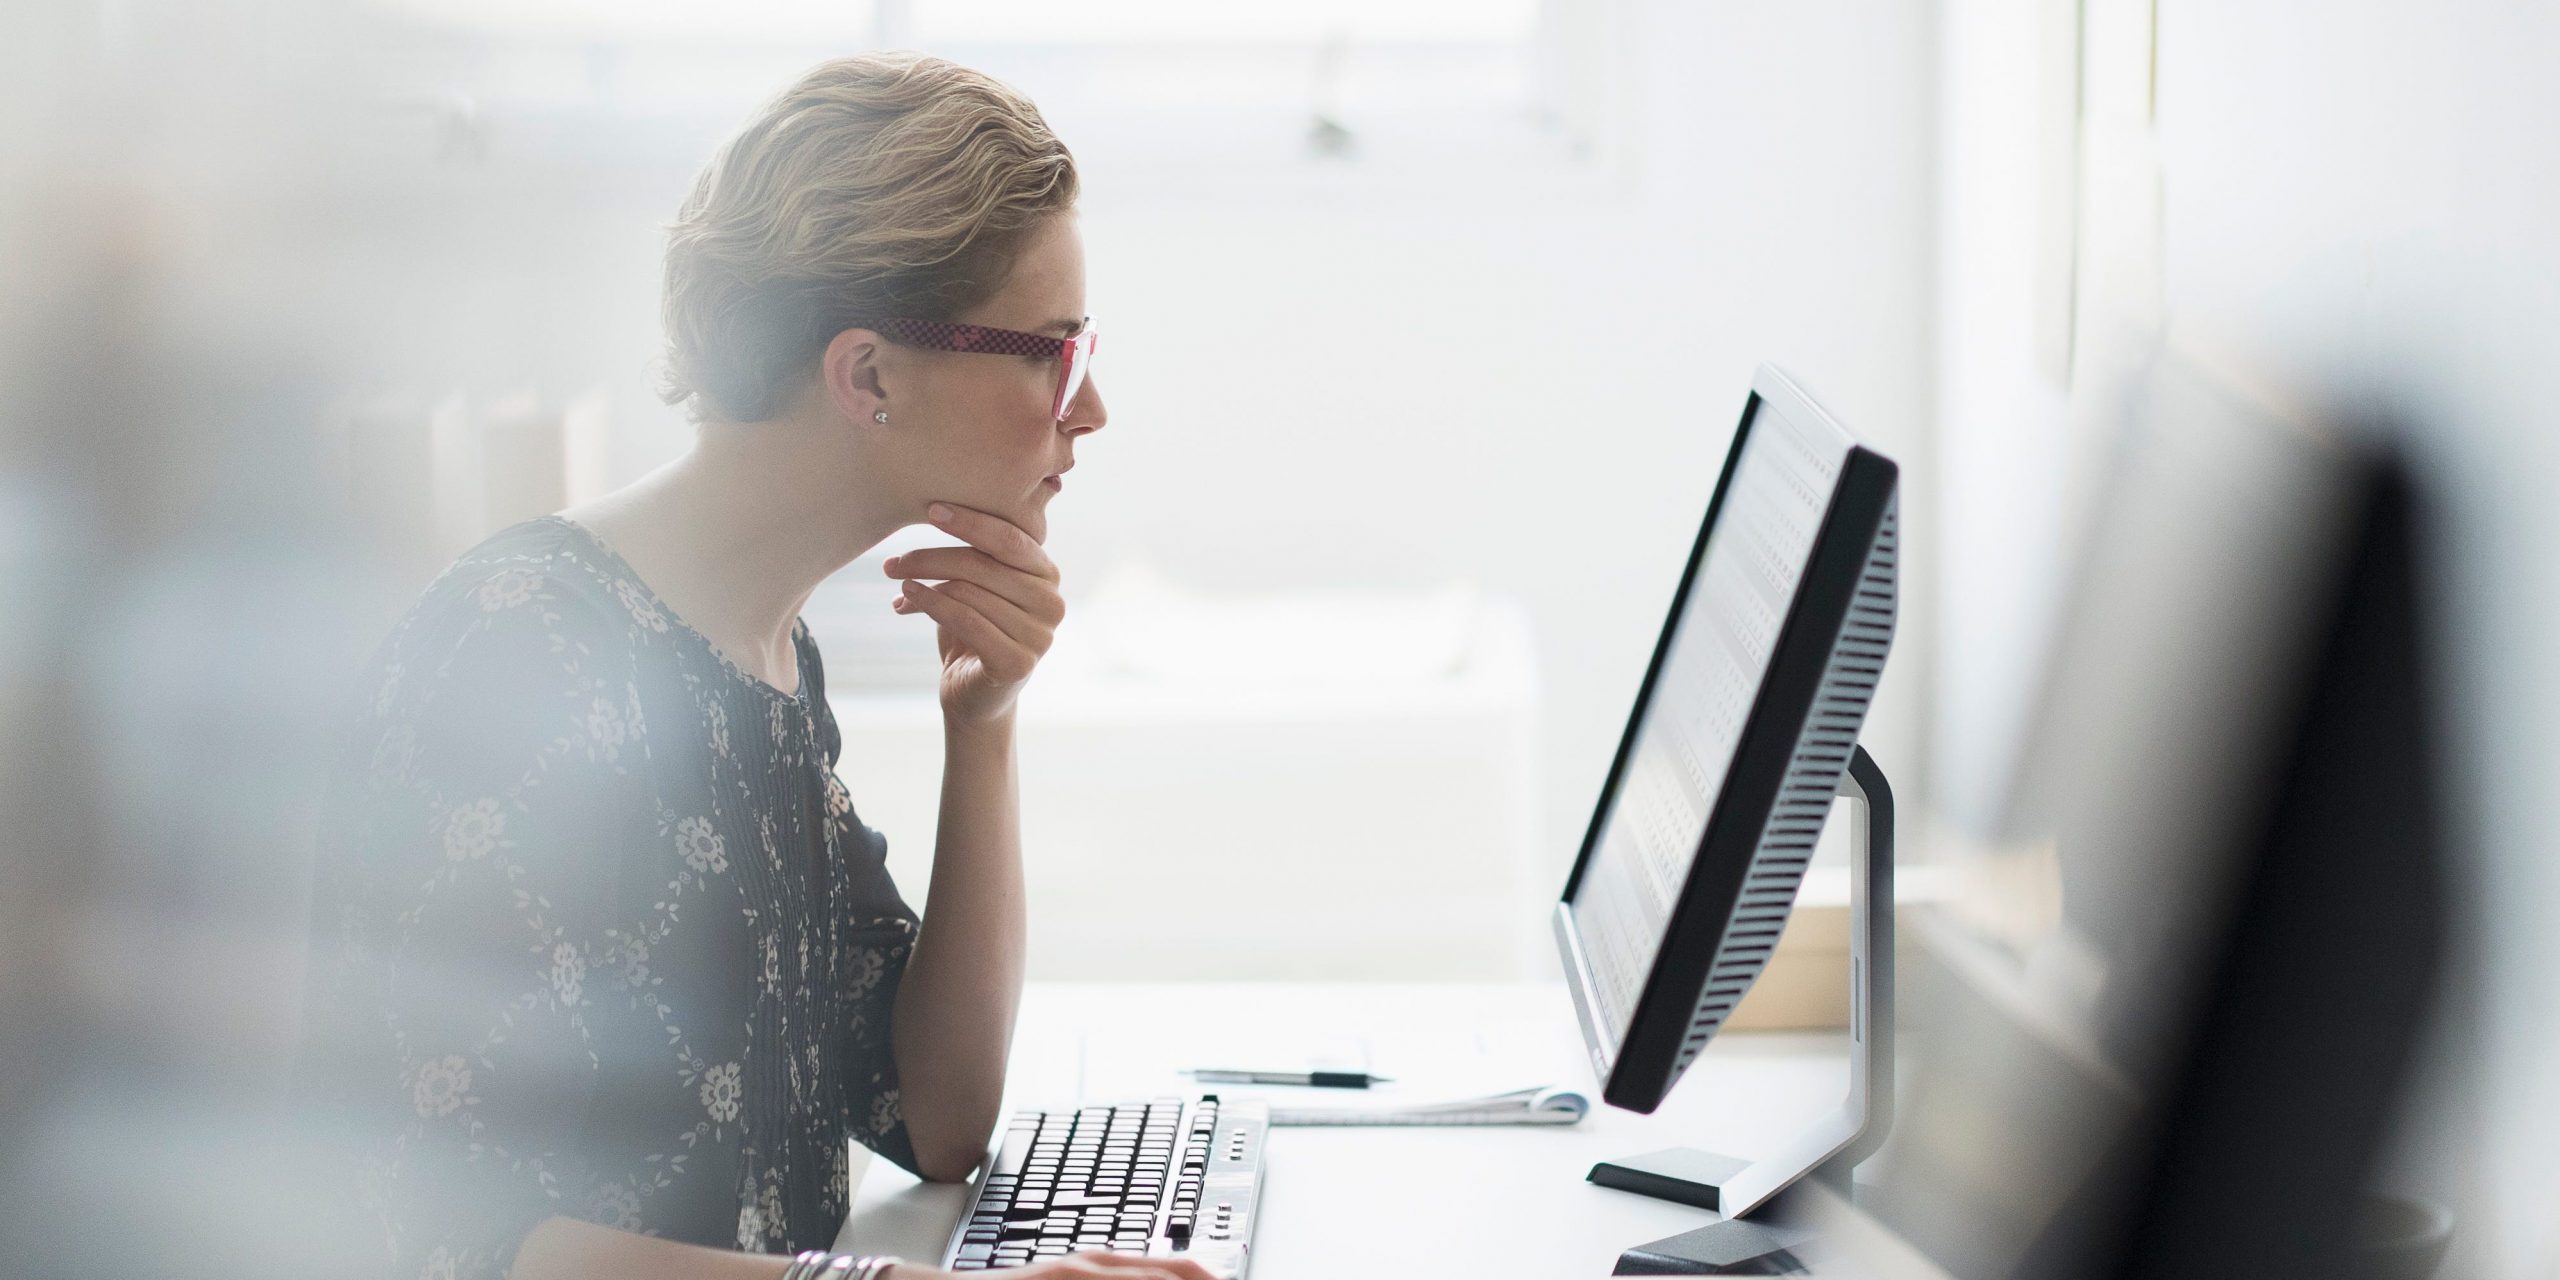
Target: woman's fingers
{"x":996,"y":536}
{"x":1003,"y":658}
{"x":1177,"y":1268}
{"x":1036,"y":597}
{"x":1180,"y":1268}
{"x":1025,"y":630}
{"x":1123,"y":1266}
{"x":1007,"y":615}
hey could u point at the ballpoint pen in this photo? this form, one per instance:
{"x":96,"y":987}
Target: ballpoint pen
{"x":1319,"y":1079}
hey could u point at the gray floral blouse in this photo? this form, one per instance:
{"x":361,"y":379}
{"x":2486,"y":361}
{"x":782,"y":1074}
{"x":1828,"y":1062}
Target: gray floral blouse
{"x":597,"y":931}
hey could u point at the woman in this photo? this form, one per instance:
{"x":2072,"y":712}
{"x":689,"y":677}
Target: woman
{"x":609,"y":968}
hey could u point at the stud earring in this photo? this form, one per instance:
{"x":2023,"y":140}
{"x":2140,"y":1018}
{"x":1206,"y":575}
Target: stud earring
{"x":882,"y":416}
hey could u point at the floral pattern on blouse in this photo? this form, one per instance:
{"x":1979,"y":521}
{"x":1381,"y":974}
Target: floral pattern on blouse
{"x":597,"y":931}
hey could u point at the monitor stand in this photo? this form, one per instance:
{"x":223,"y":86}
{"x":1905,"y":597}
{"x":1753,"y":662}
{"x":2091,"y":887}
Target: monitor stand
{"x":1832,"y":1147}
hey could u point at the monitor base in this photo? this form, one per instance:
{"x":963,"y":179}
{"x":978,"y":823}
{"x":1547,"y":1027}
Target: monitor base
{"x":1682,"y":1175}
{"x":1732,"y":1247}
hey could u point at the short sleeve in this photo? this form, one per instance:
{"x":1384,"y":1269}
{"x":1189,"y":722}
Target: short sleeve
{"x":883,"y":933}
{"x":878,"y":960}
{"x":473,"y":848}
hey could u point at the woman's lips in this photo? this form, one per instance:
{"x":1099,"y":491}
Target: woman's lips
{"x":1055,"y":484}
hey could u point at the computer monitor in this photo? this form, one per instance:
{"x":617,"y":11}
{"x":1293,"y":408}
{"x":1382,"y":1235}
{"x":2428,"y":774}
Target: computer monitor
{"x":2189,"y":1057}
{"x":1743,"y":733}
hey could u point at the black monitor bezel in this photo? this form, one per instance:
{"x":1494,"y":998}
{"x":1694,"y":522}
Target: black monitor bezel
{"x":1640,"y":1070}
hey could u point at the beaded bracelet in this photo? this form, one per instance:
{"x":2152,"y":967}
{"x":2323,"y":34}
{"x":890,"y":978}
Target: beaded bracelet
{"x":818,"y":1264}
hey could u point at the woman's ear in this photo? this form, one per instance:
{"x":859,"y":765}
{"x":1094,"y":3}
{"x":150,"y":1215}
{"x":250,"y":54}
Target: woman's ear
{"x":850,"y":368}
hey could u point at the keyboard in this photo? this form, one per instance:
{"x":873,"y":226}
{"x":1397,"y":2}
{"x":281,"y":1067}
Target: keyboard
{"x":1167,"y":1178}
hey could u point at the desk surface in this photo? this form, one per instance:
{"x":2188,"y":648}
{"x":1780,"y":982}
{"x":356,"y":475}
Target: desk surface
{"x":1490,"y":1201}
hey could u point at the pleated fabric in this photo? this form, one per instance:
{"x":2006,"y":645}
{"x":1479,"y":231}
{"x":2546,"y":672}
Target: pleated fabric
{"x":597,"y":931}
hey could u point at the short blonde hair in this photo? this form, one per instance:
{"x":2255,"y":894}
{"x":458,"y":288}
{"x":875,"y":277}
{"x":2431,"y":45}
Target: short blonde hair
{"x":883,"y":185}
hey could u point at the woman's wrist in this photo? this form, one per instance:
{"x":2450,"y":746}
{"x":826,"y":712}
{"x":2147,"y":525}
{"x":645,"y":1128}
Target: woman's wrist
{"x":958,"y":728}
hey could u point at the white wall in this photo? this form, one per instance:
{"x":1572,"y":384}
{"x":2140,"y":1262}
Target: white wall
{"x":1524,"y":386}
{"x":2001,"y":422}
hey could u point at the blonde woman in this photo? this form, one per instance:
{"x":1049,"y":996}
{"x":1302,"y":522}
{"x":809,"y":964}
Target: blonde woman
{"x":608,"y":968}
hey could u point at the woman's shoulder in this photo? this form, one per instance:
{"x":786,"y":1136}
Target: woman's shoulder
{"x":522,"y":641}
{"x":534,"y":608}
{"x":543,"y":574}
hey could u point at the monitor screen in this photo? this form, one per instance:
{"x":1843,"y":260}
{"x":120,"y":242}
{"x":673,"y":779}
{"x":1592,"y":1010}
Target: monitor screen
{"x":1738,"y":742}
{"x":1723,"y":632}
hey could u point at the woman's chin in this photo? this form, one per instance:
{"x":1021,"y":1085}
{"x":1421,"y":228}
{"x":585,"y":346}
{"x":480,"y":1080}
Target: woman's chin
{"x":1033,"y":518}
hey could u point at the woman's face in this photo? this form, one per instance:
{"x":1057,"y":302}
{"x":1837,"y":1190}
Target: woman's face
{"x":976,"y":429}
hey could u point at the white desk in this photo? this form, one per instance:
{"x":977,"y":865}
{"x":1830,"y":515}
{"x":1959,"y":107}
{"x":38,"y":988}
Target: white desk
{"x":1360,"y":1202}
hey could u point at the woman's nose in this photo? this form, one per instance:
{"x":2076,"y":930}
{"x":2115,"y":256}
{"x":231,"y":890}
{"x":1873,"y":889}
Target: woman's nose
{"x":1085,"y":413}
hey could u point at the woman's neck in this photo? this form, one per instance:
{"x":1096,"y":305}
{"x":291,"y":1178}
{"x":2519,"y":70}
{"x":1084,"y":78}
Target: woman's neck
{"x":735,"y":534}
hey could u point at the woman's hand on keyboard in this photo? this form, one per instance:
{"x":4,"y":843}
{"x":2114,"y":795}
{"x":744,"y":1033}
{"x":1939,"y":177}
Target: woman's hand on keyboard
{"x":1077,"y":1266}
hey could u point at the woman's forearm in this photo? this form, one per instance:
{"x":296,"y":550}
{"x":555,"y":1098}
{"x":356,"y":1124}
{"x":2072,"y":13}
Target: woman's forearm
{"x":567,"y":1249}
{"x":953,"y":1024}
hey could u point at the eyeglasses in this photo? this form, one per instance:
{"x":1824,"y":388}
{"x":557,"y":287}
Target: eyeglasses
{"x":1073,"y":355}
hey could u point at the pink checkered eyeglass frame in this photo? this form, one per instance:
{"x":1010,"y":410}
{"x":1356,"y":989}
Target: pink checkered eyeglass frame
{"x":1074,"y":355}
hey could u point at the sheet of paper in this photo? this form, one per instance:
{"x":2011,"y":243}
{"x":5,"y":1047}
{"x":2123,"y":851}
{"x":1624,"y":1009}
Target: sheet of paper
{"x":1424,"y":1066}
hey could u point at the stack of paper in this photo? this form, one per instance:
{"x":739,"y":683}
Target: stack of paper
{"x":1466,"y":1077}
{"x":1536,"y":1105}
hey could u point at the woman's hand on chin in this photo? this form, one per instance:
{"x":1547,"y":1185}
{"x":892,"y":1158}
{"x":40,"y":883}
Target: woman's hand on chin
{"x":995,"y":606}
